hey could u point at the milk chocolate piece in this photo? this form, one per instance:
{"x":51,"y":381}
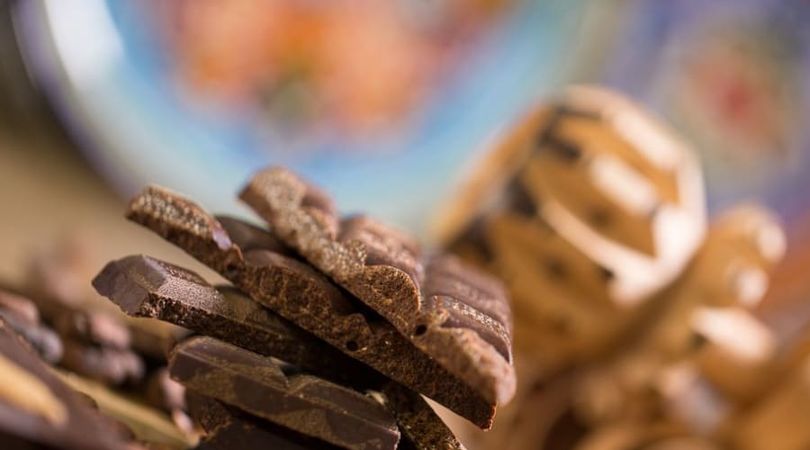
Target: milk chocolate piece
{"x":146,"y":287}
{"x":458,"y":317}
{"x":303,"y":403}
{"x":229,"y":429}
{"x":38,"y":409}
{"x":304,"y":296}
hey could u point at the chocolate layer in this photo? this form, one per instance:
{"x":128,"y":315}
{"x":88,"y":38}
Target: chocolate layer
{"x":306,"y":404}
{"x":146,"y":287}
{"x":229,"y":429}
{"x":304,"y":296}
{"x":459,"y":317}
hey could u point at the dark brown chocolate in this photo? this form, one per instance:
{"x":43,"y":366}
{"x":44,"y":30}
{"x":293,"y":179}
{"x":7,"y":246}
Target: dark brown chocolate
{"x":22,"y":315}
{"x":36,"y":408}
{"x":180,"y":296}
{"x":230,"y":429}
{"x":304,"y":296}
{"x":303,"y":403}
{"x":93,"y":327}
{"x":107,"y":365}
{"x":459,"y":317}
{"x":147,"y":287}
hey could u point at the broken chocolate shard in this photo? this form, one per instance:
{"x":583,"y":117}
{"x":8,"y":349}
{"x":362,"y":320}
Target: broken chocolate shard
{"x":146,"y":287}
{"x":304,"y":296}
{"x":229,"y":429}
{"x":465,"y":329}
{"x":39,"y":410}
{"x":303,"y":403}
{"x":421,"y":427}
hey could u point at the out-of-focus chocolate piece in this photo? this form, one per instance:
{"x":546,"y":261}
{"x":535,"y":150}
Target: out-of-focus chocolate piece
{"x":93,"y":327}
{"x":19,"y":306}
{"x":22,"y":315}
{"x":147,"y":287}
{"x":108,"y":365}
{"x":44,"y":341}
{"x":150,"y":426}
{"x":163,"y":392}
{"x":303,"y":403}
{"x":228,"y":429}
{"x":37,"y":408}
{"x":304,"y":296}
{"x":460,"y":318}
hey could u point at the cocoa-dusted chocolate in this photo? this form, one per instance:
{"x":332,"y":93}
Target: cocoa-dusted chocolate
{"x":303,"y":403}
{"x":37,"y":410}
{"x":301,"y":294}
{"x":459,"y":317}
{"x":229,"y":429}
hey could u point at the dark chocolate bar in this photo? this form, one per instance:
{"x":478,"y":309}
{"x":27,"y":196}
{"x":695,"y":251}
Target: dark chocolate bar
{"x":306,"y":297}
{"x":303,"y":403}
{"x":459,"y":317}
{"x":229,"y":429}
{"x":37,"y":408}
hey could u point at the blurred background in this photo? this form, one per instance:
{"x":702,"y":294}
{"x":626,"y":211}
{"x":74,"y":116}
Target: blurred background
{"x":385,"y":104}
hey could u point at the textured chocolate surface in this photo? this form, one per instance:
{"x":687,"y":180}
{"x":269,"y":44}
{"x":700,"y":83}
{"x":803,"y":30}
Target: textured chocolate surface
{"x":262,"y":332}
{"x":301,"y":294}
{"x":227,"y":428}
{"x":303,"y":403}
{"x":421,"y":428}
{"x":37,"y":408}
{"x":459,"y":317}
{"x":147,"y":287}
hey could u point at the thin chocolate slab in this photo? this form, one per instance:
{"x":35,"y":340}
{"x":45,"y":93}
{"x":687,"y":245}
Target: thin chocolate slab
{"x":147,"y":287}
{"x":458,"y":317}
{"x":306,"y":404}
{"x":37,"y":407}
{"x":307,"y":298}
{"x":229,"y":429}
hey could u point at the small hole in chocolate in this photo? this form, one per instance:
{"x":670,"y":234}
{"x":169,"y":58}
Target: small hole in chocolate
{"x":420,"y":330}
{"x":352,"y":346}
{"x":556,"y":268}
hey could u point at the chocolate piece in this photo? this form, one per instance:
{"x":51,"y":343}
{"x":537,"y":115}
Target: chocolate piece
{"x":304,"y":296}
{"x":303,"y":403}
{"x":37,"y":408}
{"x":459,"y":318}
{"x":421,"y":428}
{"x":18,"y":306}
{"x":163,"y":392}
{"x":151,"y":426}
{"x":107,"y":365}
{"x":93,"y":327}
{"x":44,"y":341}
{"x":147,"y":287}
{"x":229,"y":429}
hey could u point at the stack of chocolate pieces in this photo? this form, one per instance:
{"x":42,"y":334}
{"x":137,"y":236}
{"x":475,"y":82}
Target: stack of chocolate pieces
{"x":330,"y":330}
